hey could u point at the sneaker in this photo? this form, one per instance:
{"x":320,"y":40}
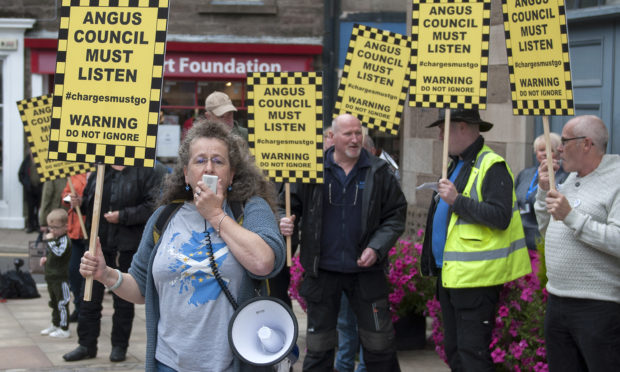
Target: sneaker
{"x":49,"y":330}
{"x":60,"y":333}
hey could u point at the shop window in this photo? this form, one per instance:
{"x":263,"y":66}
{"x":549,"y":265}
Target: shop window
{"x":240,"y":6}
{"x":184,"y":100}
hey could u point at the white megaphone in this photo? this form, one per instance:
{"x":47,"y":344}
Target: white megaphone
{"x":263,"y":331}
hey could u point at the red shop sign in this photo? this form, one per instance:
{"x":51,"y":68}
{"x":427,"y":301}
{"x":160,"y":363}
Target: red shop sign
{"x":231,"y":66}
{"x":219,"y":66}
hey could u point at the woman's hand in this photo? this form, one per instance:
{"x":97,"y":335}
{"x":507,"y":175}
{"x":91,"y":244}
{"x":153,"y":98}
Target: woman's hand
{"x":208,"y":203}
{"x":94,"y":266}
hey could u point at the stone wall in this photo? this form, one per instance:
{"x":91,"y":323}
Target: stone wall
{"x":290,"y":18}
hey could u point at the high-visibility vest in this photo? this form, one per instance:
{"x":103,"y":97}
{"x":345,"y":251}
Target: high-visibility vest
{"x":479,"y":256}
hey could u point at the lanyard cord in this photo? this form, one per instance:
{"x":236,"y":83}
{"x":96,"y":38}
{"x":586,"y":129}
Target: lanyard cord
{"x":215,"y":271}
{"x":533,"y":187}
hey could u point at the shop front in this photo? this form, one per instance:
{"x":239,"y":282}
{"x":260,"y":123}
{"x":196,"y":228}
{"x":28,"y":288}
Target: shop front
{"x":192,"y":71}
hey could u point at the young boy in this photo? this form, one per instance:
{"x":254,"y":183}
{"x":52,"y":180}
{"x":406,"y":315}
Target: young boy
{"x":57,"y":272}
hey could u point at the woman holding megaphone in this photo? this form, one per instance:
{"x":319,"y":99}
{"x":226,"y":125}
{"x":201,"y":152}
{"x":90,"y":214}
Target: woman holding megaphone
{"x":201,"y":251}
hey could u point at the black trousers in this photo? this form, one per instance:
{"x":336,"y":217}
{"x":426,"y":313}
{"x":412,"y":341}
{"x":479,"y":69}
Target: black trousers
{"x":468,"y":320}
{"x":89,"y":319}
{"x":33,"y":202}
{"x":76,"y":281}
{"x":582,"y":334}
{"x":367,"y":294}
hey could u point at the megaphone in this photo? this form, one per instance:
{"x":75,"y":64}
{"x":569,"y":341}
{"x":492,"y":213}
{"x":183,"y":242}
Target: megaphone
{"x":263,"y":331}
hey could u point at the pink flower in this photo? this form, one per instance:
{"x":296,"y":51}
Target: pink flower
{"x":392,"y":251}
{"x":503,"y":311}
{"x":541,"y":352}
{"x":541,"y":367}
{"x":418,"y":248}
{"x":514,"y":328}
{"x":527,"y":295}
{"x":498,"y":355}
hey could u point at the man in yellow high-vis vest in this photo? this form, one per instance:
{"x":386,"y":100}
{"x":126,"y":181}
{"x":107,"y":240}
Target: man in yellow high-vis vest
{"x":474,"y":241}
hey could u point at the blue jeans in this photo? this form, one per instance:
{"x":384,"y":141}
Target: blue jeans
{"x":582,"y":334}
{"x":348,"y":341}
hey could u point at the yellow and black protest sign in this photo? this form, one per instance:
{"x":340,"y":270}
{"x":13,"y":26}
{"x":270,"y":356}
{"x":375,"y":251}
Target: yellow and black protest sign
{"x":285,"y":124}
{"x":538,"y":57}
{"x":375,"y":79}
{"x":36,"y":114}
{"x":109,"y":73}
{"x":450,"y":57}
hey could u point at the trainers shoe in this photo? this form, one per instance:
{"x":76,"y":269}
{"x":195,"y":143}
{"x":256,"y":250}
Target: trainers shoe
{"x":49,"y":330}
{"x":60,"y":333}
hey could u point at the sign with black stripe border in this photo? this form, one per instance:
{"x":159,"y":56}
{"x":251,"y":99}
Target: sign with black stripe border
{"x":538,"y":57}
{"x":36,"y":115}
{"x":450,"y":53}
{"x":375,"y":78}
{"x":285,"y":125}
{"x":109,"y":74}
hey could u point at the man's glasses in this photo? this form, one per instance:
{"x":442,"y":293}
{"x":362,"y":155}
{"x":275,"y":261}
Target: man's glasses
{"x":564,"y":140}
{"x":342,"y":204}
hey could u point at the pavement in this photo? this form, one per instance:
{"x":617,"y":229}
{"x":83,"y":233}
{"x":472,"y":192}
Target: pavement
{"x":22,"y":348}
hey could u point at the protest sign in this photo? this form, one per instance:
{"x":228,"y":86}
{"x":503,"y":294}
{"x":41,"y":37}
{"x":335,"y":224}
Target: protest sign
{"x":109,"y":71}
{"x":285,"y":124}
{"x":375,"y":79}
{"x":538,"y":57}
{"x":36,"y":115}
{"x":450,"y":49}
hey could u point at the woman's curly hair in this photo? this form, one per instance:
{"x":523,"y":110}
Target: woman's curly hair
{"x":247,"y":182}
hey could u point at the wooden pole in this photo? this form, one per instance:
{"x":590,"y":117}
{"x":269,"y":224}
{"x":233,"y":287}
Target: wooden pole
{"x":446,"y":144}
{"x":94,"y":228}
{"x":77,"y":210}
{"x":287,"y":198}
{"x":549,"y":153}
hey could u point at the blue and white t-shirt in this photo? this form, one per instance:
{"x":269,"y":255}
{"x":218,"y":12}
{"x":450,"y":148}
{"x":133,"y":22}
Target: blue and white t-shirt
{"x":191,"y":308}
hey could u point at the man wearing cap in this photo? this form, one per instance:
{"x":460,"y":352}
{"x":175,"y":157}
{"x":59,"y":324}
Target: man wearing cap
{"x":219,"y":108}
{"x":474,"y":241}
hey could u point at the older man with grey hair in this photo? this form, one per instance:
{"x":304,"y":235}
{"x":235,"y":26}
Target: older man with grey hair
{"x":581,"y":225}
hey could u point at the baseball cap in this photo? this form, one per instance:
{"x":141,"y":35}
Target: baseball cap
{"x":467,"y":115}
{"x":219,"y":103}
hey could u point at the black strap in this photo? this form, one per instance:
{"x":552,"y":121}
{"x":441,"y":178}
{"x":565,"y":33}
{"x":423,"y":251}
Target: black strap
{"x":164,"y":218}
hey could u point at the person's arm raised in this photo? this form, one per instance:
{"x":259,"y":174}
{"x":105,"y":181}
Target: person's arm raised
{"x":124,"y":286}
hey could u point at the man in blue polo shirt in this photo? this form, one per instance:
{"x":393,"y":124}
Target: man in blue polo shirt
{"x":348,"y":225}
